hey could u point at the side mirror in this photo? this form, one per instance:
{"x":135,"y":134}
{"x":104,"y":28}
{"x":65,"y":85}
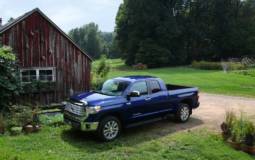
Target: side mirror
{"x":134,"y":94}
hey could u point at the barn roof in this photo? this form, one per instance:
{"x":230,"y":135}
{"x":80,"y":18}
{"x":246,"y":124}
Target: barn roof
{"x":24,"y":16}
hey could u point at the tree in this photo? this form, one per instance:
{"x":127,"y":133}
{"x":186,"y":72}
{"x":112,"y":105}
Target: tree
{"x":185,"y":30}
{"x":87,"y":37}
{"x":95,"y":42}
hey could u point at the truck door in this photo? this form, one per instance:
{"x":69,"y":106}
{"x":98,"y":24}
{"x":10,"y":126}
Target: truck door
{"x":137,"y":107}
{"x":159,"y":103}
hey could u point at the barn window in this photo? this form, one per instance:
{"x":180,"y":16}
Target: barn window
{"x":38,"y":74}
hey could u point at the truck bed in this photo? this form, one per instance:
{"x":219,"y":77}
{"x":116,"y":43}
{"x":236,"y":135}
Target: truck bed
{"x":176,"y":89}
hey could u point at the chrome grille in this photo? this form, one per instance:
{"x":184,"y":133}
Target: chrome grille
{"x":76,"y":108}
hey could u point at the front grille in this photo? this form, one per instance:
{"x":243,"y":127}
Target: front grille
{"x":75,"y":108}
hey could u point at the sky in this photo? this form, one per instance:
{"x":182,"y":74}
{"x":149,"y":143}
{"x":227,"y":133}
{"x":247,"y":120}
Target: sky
{"x":67,"y":14}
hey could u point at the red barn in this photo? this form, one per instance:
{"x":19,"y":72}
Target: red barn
{"x":46,"y":54}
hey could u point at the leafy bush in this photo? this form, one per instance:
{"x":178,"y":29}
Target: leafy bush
{"x":250,"y":72}
{"x":51,"y":120}
{"x":100,"y":72}
{"x":140,"y":66}
{"x":15,"y":130}
{"x":19,"y":116}
{"x":9,"y":79}
{"x":241,"y":128}
{"x":218,"y":65}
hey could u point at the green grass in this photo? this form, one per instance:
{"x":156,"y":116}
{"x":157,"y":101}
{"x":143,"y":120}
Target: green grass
{"x":208,"y":81}
{"x":146,"y":143}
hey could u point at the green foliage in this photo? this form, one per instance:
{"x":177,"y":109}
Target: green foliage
{"x":230,"y":119}
{"x":241,"y":128}
{"x":9,"y":79}
{"x":19,"y":116}
{"x":218,"y":65}
{"x":38,"y":87}
{"x":51,"y":120}
{"x":100,"y":72}
{"x":180,"y":31}
{"x":95,"y":42}
{"x":250,"y":72}
{"x":15,"y":131}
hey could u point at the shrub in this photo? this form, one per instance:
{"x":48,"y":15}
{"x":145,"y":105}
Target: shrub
{"x":51,"y":120}
{"x":19,"y":116}
{"x":250,"y":72}
{"x":9,"y":79}
{"x":241,"y":129}
{"x":140,"y":66}
{"x":15,"y":131}
{"x":100,"y":72}
{"x":218,"y":65}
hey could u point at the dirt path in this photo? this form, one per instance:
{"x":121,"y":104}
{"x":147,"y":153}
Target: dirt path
{"x":213,"y":107}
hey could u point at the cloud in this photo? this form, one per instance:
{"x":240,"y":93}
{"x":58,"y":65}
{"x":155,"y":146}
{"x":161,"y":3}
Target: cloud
{"x":67,"y":14}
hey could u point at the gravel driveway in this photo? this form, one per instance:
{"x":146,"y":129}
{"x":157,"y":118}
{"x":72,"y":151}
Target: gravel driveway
{"x":213,"y":107}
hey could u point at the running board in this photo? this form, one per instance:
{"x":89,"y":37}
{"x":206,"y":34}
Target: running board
{"x":144,"y":122}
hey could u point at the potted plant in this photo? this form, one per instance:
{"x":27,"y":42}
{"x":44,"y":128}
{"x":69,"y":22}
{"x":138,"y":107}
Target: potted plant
{"x":237,"y":134}
{"x":228,"y":124}
{"x":249,"y":138}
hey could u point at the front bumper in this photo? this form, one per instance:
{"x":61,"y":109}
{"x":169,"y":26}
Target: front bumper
{"x":79,"y":122}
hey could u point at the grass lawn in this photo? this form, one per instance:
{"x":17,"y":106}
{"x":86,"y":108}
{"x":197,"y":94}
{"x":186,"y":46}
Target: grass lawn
{"x":146,"y":143}
{"x":208,"y":81}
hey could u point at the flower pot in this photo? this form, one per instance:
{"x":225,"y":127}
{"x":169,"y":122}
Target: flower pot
{"x":249,"y":149}
{"x":28,"y":128}
{"x":37,"y":128}
{"x":235,"y":145}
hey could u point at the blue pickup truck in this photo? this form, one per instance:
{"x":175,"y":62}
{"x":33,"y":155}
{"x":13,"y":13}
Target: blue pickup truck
{"x":125,"y":102}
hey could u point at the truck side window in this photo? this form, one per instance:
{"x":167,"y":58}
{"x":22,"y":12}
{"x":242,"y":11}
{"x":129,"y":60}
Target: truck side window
{"x":154,"y":86}
{"x":141,"y":87}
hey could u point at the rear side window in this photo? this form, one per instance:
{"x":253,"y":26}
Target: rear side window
{"x":154,"y":86}
{"x":141,"y":87}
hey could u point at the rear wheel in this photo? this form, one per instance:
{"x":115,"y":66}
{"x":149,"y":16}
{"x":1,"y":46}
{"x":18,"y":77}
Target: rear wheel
{"x":183,"y":113}
{"x":109,"y":128}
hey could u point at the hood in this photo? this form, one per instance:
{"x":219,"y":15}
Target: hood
{"x":94,"y":98}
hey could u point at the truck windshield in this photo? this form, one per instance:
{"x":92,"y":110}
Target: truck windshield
{"x":114,"y":87}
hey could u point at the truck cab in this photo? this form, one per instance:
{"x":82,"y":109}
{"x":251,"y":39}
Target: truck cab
{"x":125,"y":102}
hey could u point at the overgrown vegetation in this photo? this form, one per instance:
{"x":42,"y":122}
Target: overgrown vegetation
{"x":218,"y":65}
{"x":9,"y":80}
{"x":99,"y":72}
{"x":169,"y":33}
{"x":239,"y":131}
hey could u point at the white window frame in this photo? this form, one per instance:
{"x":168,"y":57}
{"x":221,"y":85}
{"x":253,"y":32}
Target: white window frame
{"x":38,"y":69}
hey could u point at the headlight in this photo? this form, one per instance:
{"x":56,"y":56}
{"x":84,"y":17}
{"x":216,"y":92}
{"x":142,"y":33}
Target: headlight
{"x":93,"y":110}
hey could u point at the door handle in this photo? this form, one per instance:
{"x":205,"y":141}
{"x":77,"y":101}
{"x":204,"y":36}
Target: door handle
{"x":147,"y":99}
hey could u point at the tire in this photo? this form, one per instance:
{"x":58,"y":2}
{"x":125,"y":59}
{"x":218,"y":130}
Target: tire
{"x":109,"y":129}
{"x":183,"y":113}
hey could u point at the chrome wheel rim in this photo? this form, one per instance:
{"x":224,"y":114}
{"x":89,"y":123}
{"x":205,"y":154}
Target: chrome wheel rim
{"x":184,"y":113}
{"x":111,"y":130}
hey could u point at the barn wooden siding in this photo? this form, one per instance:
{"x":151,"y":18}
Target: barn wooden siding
{"x":38,"y":43}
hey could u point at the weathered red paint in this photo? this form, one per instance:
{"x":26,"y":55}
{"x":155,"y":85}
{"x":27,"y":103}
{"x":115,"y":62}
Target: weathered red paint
{"x":37,"y":43}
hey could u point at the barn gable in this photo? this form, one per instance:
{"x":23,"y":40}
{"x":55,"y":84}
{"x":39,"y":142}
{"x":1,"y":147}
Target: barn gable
{"x":47,"y":54}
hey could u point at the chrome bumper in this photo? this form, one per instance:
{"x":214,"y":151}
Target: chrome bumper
{"x":79,"y":122}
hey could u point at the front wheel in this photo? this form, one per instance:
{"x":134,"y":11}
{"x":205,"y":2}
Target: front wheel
{"x":183,"y":113}
{"x":109,"y":129}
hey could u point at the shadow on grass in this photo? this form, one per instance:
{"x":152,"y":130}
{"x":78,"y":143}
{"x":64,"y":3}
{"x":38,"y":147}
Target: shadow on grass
{"x":88,"y":142}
